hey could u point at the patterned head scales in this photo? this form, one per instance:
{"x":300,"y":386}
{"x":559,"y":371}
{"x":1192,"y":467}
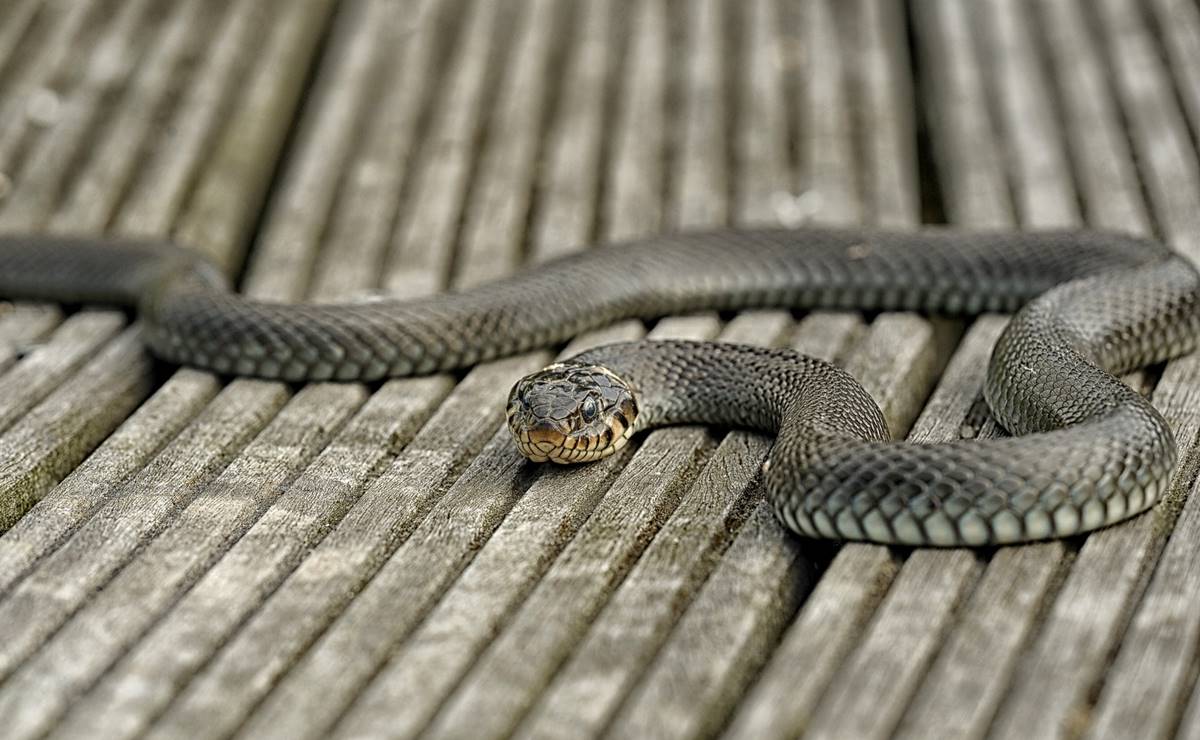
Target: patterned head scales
{"x":571,"y":413}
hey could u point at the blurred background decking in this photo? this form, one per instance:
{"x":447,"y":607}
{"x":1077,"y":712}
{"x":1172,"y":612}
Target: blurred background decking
{"x":188,"y":556}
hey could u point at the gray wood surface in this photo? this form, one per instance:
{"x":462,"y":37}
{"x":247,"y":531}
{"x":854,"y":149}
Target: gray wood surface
{"x":188,"y":556}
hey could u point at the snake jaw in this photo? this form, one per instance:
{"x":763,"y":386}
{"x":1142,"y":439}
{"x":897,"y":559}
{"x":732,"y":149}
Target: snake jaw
{"x":571,"y":413}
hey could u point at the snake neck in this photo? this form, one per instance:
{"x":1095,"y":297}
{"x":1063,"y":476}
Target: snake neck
{"x":740,"y":386}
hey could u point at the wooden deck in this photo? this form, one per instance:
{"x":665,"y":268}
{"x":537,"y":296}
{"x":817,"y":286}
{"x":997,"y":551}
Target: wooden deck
{"x":188,"y":557}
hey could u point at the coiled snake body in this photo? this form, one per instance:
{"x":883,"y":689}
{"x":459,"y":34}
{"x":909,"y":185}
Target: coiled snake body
{"x":1090,"y":450}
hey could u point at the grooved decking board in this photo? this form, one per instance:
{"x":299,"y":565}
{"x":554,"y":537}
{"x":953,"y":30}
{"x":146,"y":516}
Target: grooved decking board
{"x":187,"y":555}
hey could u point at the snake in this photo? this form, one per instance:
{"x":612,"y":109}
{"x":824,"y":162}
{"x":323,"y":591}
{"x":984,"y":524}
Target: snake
{"x":1086,"y":450}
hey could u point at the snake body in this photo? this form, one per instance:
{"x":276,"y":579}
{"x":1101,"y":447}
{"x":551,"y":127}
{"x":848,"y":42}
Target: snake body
{"x":1091,"y":451}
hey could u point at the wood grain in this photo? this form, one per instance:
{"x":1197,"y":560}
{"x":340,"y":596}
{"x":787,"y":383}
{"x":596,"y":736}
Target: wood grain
{"x":190,"y":556}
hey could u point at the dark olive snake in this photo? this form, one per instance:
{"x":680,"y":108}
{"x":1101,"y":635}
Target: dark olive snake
{"x":1089,"y":450}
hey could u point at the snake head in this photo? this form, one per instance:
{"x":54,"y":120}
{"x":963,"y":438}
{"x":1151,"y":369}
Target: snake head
{"x":571,"y":412}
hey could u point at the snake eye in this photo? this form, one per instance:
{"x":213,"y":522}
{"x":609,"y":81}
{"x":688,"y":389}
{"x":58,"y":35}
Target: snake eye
{"x":589,"y":409}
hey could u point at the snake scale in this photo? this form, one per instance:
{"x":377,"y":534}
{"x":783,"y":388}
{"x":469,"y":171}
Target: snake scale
{"x":1088,"y":450}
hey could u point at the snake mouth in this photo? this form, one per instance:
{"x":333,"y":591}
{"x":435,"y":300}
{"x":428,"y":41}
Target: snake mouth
{"x":545,"y":444}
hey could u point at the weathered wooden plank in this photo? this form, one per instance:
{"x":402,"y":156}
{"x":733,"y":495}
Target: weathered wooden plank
{"x":1157,"y":127}
{"x":423,"y":252}
{"x":1101,"y":158}
{"x":48,"y":56}
{"x":388,"y":421}
{"x":1188,"y":727}
{"x":313,"y":659}
{"x":566,"y":596}
{"x":356,"y":242}
{"x":627,"y":634}
{"x":622,"y":641}
{"x":632,"y":203}
{"x":876,"y":67}
{"x":1178,"y":25}
{"x":902,"y":345}
{"x":696,"y":193}
{"x":57,"y":587}
{"x":881,"y":71}
{"x":65,"y":508}
{"x":225,"y":202}
{"x":153,"y":494}
{"x":501,"y":195}
{"x":1064,"y":666}
{"x":17,"y":20}
{"x":162,"y":185}
{"x":811,"y":650}
{"x":826,"y":142}
{"x":48,"y":160}
{"x":88,"y":643}
{"x":60,"y":431}
{"x":1145,"y":687}
{"x":51,"y":363}
{"x":499,"y":688}
{"x":299,"y":213}
{"x":95,"y":185}
{"x":391,"y":509}
{"x":698,"y":182}
{"x":761,"y":137}
{"x":127,"y":450}
{"x":1149,"y":683}
{"x":565,"y":203}
{"x":968,"y":679}
{"x":23,"y":326}
{"x":1020,"y":93}
{"x":958,"y":119}
{"x":426,"y":667}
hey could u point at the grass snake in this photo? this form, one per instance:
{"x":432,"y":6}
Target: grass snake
{"x":1088,"y":450}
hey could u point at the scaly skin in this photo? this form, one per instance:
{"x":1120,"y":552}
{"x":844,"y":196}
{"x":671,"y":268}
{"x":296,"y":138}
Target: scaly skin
{"x":1094,"y":451}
